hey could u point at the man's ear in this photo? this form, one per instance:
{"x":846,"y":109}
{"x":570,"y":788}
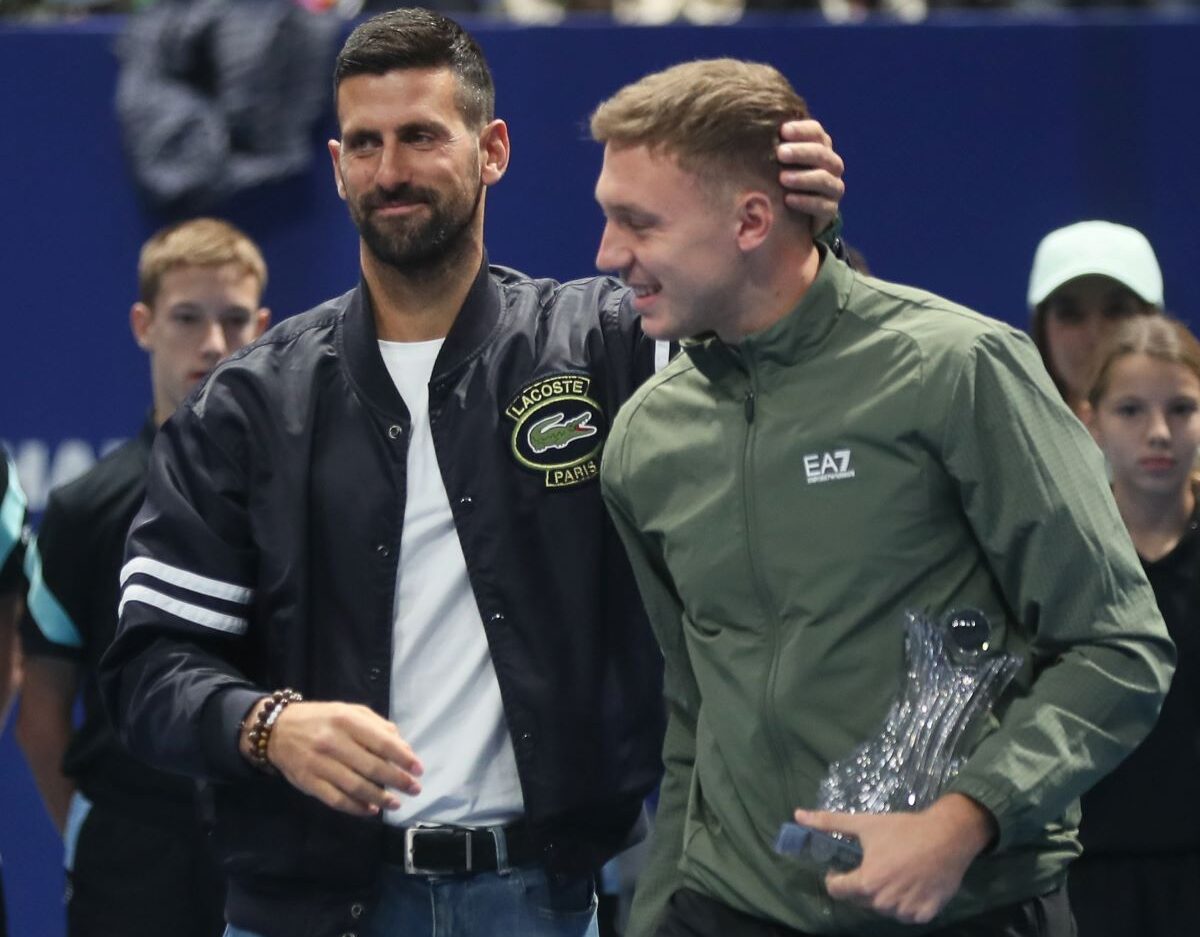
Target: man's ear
{"x":141,"y":317}
{"x":755,"y":219}
{"x":494,"y":150}
{"x":335,"y":154}
{"x":262,"y":319}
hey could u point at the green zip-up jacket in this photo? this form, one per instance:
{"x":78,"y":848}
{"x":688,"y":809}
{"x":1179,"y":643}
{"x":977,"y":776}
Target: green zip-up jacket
{"x":786,"y":499}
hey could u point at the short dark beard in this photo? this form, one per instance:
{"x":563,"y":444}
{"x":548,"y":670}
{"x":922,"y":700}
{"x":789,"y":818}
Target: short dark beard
{"x":425,"y":251}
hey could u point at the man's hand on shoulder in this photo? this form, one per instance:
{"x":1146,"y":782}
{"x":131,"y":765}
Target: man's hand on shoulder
{"x":913,"y":863}
{"x":345,"y":755}
{"x":812,"y":173}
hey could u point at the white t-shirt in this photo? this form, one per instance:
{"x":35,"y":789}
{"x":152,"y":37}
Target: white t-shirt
{"x":445,"y":697}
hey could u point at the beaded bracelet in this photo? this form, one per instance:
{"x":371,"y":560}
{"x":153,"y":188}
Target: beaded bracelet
{"x":259,"y":735}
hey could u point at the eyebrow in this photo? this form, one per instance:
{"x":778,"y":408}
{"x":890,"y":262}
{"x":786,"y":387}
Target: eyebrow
{"x":190,"y":306}
{"x":626,"y":211}
{"x":434,"y":127}
{"x":428,"y":126}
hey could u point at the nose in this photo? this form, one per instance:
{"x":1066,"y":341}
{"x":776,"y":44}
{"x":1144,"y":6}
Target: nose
{"x":1158,"y":431}
{"x":215,"y":346}
{"x":392,"y":169}
{"x":612,"y":255}
{"x":1094,"y":331}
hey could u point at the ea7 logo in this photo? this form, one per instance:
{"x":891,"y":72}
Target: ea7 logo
{"x":828,"y":466}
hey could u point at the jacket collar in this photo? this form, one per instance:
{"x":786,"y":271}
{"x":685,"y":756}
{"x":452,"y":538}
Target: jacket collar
{"x":146,"y":434}
{"x":475,"y":322}
{"x":794,"y":337}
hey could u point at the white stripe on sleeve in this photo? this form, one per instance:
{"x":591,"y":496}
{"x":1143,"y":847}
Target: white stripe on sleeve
{"x":185,"y":610}
{"x":214,"y":588}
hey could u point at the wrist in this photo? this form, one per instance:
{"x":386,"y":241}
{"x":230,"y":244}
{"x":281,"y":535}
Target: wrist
{"x":974,"y":825}
{"x":247,"y":723}
{"x":254,"y":736}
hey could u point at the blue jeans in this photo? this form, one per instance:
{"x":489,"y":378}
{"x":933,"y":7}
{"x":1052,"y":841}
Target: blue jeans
{"x":521,"y":902}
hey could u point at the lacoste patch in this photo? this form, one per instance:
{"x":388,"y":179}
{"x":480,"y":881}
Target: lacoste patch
{"x":558,"y":430}
{"x":828,"y":466}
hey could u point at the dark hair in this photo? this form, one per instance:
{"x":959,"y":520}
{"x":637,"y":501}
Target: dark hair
{"x":417,"y":38}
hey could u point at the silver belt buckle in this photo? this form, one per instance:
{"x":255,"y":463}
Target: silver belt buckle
{"x":411,"y":835}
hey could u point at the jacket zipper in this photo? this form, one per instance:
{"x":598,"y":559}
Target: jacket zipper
{"x":766,"y":707}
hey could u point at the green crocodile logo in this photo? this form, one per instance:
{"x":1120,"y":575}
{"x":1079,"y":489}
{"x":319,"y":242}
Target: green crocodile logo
{"x":557,"y":432}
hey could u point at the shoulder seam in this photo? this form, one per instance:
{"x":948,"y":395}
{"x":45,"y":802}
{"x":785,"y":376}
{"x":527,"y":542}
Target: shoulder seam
{"x":927,"y":301}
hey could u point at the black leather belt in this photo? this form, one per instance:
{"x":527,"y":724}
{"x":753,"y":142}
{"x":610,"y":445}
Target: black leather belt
{"x":458,"y":850}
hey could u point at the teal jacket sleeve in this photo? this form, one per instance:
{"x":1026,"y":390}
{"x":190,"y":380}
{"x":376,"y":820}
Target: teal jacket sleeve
{"x":12,"y":526}
{"x":55,"y":624}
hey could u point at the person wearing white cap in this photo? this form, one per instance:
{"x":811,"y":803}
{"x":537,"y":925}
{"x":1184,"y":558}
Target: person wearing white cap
{"x":1086,"y":277}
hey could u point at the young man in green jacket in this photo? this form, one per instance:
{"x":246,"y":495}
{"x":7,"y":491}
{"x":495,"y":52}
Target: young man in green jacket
{"x":829,"y":452}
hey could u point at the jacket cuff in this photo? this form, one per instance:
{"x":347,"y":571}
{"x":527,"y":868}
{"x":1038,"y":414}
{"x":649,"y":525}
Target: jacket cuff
{"x":220,"y":726}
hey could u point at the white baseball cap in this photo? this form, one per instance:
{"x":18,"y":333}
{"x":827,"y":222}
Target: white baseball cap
{"x":1112,"y":250}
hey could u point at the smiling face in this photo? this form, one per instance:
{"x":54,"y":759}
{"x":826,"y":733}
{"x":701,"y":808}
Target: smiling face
{"x":673,"y":239}
{"x":410,"y":168}
{"x":1148,"y":424}
{"x":198,"y":315}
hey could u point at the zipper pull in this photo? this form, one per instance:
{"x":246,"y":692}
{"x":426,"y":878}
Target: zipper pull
{"x":749,"y":406}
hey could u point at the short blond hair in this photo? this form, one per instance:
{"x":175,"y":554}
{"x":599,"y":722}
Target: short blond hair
{"x":200,"y":242}
{"x":712,"y":116}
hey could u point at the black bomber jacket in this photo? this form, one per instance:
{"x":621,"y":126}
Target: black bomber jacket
{"x":265,"y":557}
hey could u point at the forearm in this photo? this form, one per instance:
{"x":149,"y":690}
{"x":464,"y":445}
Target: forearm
{"x":43,"y":734}
{"x":1098,"y":658}
{"x":44,"y":756}
{"x":10,"y":653}
{"x":176,"y":705}
{"x":45,"y":726}
{"x":1085,"y":713}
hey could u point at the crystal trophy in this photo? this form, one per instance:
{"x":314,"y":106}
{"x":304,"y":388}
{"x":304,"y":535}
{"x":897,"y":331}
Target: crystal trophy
{"x":951,"y":679}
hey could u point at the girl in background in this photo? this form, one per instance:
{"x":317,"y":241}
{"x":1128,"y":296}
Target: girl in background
{"x":1086,"y":279}
{"x":1140,"y":869}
